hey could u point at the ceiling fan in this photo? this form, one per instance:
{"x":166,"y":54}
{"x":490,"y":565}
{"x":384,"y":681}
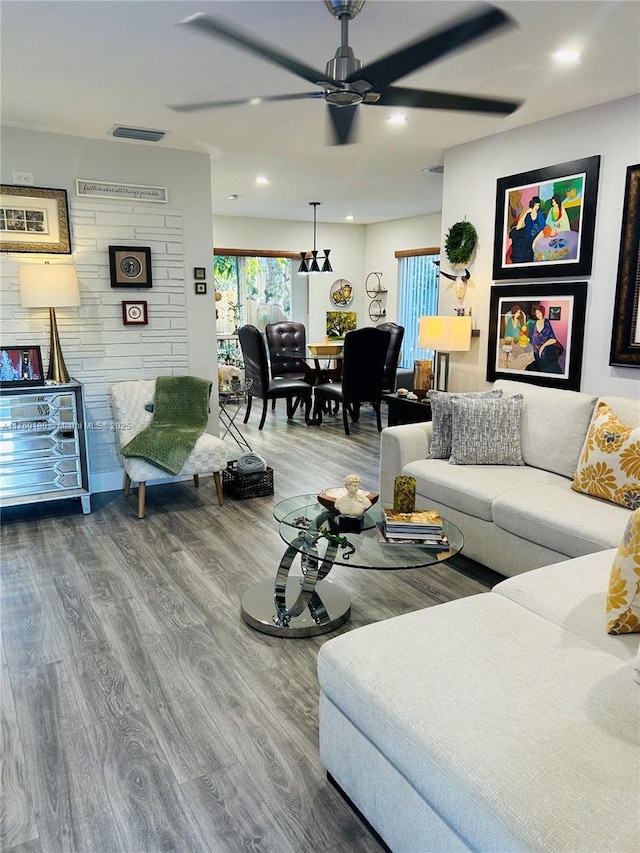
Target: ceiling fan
{"x":346,"y":84}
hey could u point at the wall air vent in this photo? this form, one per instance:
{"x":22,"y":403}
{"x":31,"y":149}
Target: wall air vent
{"x":139,"y":133}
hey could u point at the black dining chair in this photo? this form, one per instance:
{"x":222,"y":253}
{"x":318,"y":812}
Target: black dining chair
{"x":287,"y":342}
{"x":393,"y":355}
{"x":363,"y":359}
{"x":256,"y":368}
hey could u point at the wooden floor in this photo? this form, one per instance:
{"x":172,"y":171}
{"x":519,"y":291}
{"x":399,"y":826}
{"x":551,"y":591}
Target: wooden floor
{"x":139,"y":712}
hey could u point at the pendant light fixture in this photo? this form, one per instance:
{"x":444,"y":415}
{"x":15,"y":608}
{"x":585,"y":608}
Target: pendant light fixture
{"x":309,"y":265}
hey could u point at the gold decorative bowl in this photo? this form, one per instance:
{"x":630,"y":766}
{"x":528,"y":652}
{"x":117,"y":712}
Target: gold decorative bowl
{"x":328,"y":497}
{"x":320,"y":350}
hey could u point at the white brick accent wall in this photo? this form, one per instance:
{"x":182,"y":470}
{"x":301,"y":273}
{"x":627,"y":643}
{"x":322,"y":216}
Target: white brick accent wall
{"x":98,"y":349}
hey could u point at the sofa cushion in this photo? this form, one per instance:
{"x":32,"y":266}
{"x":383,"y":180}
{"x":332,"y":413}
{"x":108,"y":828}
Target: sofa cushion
{"x":516,"y":732}
{"x":571,"y":594}
{"x":609,"y":465}
{"x":472,"y":489}
{"x":559,"y":518}
{"x":486,"y":431}
{"x":623,"y":599}
{"x":554,"y":424}
{"x":441,"y":419}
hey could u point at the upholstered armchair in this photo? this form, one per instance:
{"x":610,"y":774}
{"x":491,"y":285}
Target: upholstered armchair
{"x":132,"y":404}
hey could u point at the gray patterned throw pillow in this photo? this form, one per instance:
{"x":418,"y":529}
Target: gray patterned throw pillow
{"x":486,"y":431}
{"x":441,"y":418}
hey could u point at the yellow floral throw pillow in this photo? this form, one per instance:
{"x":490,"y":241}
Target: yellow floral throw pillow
{"x":609,"y":465}
{"x":623,"y":598}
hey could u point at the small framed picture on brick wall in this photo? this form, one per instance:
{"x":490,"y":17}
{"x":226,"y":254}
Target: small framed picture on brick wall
{"x":201,"y":287}
{"x":135,"y":313}
{"x":199,"y":273}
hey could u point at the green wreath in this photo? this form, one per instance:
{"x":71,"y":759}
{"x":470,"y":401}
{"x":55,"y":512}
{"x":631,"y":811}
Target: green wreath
{"x":460,"y":242}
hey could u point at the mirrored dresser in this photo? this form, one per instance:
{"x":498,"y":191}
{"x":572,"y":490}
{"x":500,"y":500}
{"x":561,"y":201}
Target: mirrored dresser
{"x":43,"y":452}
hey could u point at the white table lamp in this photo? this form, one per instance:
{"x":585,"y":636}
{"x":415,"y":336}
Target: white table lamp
{"x":444,"y":334}
{"x":50,"y":286}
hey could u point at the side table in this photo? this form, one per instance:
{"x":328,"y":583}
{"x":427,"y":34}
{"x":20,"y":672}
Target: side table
{"x":231,"y":401}
{"x":403,"y":411}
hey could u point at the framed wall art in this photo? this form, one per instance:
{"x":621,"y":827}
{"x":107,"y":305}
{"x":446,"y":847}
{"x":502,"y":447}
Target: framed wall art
{"x":34,"y":219}
{"x":21,"y":367}
{"x":130,"y":266}
{"x":200,"y":287}
{"x":135,"y":313}
{"x":545,"y":221}
{"x":625,"y":337}
{"x":199,"y":273}
{"x":339,"y":323}
{"x":536,"y":333}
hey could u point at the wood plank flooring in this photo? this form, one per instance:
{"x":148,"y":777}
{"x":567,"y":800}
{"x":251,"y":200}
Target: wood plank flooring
{"x":139,"y":712}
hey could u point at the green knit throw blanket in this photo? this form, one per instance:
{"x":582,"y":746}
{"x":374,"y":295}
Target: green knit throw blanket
{"x":180,"y":416}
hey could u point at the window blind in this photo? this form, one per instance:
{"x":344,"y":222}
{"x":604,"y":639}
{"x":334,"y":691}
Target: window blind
{"x":418,"y":298}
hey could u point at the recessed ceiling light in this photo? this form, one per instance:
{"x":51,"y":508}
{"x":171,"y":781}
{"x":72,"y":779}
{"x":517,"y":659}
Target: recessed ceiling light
{"x":397,"y":119}
{"x":349,"y":218}
{"x":261,"y":179}
{"x":567,"y":56}
{"x":255,"y":101}
{"x":233,"y":197}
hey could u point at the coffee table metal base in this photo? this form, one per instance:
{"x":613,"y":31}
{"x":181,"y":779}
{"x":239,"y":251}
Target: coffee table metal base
{"x":328,"y":608}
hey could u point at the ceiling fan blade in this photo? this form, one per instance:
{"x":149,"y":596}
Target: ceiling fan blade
{"x":211,"y":105}
{"x":213,"y":27}
{"x":427,"y":49}
{"x":396,"y":96}
{"x":343,"y":124}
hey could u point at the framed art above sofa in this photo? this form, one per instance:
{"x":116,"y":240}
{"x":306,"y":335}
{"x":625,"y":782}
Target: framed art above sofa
{"x":625,"y":337}
{"x":545,"y":221}
{"x":536,"y":333}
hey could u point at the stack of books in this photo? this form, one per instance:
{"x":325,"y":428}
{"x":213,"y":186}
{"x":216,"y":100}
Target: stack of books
{"x":421,"y":527}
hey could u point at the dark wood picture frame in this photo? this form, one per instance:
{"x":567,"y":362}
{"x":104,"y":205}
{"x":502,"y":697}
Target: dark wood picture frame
{"x":34,"y":220}
{"x":135,"y":313}
{"x":130,"y":266}
{"x":548,"y":253}
{"x":625,"y":335}
{"x":12,"y":360}
{"x":559,"y":364}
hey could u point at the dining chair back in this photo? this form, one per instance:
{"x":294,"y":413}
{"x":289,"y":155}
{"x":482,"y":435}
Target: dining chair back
{"x":393,"y":355}
{"x":363,"y":360}
{"x":256,"y":368}
{"x":287,"y":342}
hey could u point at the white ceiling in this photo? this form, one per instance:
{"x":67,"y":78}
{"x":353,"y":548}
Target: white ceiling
{"x":84,"y":66}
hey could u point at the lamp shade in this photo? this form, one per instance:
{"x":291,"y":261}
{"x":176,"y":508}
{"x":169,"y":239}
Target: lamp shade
{"x":445,"y":334}
{"x":48,"y":286}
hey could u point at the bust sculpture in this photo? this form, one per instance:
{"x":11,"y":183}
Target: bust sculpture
{"x":355,"y":502}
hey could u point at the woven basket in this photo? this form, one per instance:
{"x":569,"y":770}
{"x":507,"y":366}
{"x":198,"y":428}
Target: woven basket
{"x":258,"y":484}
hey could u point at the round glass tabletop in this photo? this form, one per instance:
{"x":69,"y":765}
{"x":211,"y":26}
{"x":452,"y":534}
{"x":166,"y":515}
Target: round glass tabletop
{"x":306,"y":524}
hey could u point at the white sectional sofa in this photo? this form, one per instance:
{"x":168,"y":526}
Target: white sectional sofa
{"x":506,"y":721}
{"x":517,"y":518}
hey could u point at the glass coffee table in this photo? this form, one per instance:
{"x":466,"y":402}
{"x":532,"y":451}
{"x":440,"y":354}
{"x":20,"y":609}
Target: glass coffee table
{"x":308,"y":604}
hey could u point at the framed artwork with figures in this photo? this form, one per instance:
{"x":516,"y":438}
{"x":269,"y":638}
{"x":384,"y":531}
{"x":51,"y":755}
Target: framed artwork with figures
{"x":545,"y":221}
{"x":536,"y":333}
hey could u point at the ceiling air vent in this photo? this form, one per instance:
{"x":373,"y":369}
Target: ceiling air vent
{"x":139,"y":133}
{"x":434,"y":170}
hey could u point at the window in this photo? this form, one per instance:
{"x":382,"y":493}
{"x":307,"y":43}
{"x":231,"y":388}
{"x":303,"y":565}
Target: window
{"x":418,"y":296}
{"x":254,"y":289}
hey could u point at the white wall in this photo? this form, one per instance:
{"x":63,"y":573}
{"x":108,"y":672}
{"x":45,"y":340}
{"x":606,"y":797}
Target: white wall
{"x":98,"y":348}
{"x":470,"y":175}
